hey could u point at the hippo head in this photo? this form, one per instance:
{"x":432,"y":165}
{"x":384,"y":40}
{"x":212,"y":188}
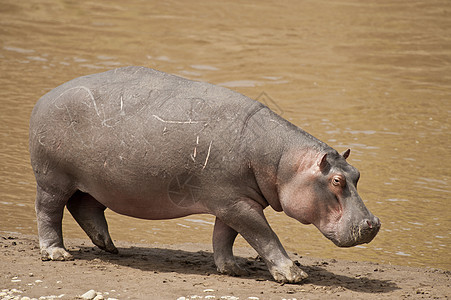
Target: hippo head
{"x":322,"y":191}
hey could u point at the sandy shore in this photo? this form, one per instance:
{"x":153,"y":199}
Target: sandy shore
{"x":186,"y":271}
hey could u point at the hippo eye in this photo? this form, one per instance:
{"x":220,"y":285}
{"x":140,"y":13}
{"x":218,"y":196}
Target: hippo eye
{"x":336,"y":181}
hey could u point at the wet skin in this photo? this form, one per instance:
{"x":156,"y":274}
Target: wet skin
{"x":155,"y":146}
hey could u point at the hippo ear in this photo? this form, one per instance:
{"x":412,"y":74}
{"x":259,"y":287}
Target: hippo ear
{"x":323,"y":164}
{"x":346,"y":153}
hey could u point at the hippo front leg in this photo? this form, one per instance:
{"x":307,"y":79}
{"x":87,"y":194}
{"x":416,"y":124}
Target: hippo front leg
{"x":246,"y":217}
{"x":223,"y":238}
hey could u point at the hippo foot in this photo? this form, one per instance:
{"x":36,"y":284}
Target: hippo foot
{"x":232,"y":269}
{"x":105,"y":244}
{"x":289,"y":274}
{"x":112,"y":250}
{"x":55,"y":253}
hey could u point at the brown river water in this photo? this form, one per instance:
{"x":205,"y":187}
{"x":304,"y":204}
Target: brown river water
{"x":374,"y":76}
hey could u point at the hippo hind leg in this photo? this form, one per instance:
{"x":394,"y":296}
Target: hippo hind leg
{"x":89,"y":214}
{"x":49,"y":213}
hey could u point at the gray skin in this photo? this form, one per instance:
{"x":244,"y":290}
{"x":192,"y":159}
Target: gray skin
{"x":156,"y":146}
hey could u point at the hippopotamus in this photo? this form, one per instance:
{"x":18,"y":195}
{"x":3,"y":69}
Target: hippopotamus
{"x":151,"y":145}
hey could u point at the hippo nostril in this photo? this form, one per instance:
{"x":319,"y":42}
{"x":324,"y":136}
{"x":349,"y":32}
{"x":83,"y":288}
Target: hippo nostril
{"x":376,"y":222}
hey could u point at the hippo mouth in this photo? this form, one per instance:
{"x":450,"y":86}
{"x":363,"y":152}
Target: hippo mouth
{"x":362,"y":233}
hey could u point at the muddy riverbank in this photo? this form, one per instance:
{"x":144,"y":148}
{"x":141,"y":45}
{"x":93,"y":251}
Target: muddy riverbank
{"x":158,"y":271}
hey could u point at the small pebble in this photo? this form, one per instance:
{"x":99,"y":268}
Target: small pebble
{"x":208,"y":290}
{"x":98,"y":297}
{"x":89,"y":295}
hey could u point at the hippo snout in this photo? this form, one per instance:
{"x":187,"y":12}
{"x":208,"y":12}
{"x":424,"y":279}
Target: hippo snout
{"x":372,"y":224}
{"x":365,"y":231}
{"x":361,"y":232}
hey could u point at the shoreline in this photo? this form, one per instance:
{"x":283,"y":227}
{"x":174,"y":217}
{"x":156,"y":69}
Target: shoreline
{"x":187,"y":271}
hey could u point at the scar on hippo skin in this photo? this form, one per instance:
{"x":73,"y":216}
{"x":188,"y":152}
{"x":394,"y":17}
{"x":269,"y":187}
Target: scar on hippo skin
{"x":155,"y":146}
